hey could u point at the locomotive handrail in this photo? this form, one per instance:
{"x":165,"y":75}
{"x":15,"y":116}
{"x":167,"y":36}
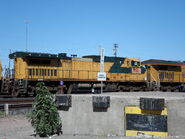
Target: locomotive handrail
{"x":153,"y":77}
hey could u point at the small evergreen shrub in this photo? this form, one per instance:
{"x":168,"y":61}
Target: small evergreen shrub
{"x":45,"y":118}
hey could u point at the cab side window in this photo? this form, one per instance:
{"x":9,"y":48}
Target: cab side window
{"x":135,"y":63}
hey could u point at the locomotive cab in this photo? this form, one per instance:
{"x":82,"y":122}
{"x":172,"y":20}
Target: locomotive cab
{"x":136,"y":65}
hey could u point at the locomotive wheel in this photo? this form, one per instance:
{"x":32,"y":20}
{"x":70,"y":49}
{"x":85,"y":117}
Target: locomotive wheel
{"x":16,"y":93}
{"x":155,"y":89}
{"x":168,"y":90}
{"x":31,"y":91}
{"x":176,"y":90}
{"x":131,"y":89}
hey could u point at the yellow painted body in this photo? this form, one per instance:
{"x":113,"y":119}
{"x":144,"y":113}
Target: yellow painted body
{"x":20,"y":67}
{"x":167,"y":76}
{"x":75,"y":69}
{"x":137,"y":110}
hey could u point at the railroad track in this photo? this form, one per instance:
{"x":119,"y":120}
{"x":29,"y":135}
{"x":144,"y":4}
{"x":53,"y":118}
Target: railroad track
{"x":15,"y":106}
{"x":16,"y":100}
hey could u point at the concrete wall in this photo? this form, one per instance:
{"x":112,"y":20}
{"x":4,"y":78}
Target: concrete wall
{"x":176,"y":117}
{"x":80,"y":119}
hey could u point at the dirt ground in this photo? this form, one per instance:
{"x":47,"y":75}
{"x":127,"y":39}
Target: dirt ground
{"x":18,"y":127}
{"x":15,"y":127}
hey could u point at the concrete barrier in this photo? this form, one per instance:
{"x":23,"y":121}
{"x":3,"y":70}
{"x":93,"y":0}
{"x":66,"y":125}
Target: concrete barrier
{"x":82,"y":119}
{"x":176,"y":117}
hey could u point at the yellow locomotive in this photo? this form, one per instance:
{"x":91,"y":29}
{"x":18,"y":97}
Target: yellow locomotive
{"x":165,"y":75}
{"x":64,"y":74}
{"x":70,"y":74}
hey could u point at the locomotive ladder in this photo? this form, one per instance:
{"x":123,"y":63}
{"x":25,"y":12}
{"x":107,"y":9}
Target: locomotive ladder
{"x":6,"y":82}
{"x":5,"y":86}
{"x":157,"y":82}
{"x":21,"y":85}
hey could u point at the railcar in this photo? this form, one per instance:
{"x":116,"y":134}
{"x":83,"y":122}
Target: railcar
{"x":65,"y":74}
{"x":165,"y":75}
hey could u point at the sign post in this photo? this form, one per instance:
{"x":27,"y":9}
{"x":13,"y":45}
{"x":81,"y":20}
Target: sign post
{"x":101,"y":74}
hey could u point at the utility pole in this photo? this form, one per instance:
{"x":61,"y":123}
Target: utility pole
{"x":101,"y":74}
{"x":9,"y":66}
{"x":115,"y":49}
{"x":26,"y":22}
{"x":102,"y":59}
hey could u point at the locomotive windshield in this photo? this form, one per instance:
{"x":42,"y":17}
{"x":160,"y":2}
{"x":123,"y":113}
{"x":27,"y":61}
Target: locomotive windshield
{"x":135,"y":63}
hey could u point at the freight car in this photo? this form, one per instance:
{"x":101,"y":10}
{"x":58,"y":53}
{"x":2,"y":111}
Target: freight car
{"x":165,"y":75}
{"x":69,"y":74}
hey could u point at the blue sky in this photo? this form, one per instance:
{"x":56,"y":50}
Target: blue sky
{"x":143,"y":28}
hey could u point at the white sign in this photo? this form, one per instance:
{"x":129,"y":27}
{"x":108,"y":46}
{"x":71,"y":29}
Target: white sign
{"x":101,"y":76}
